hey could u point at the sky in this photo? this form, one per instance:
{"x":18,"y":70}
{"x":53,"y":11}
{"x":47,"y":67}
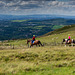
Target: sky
{"x":31,"y":7}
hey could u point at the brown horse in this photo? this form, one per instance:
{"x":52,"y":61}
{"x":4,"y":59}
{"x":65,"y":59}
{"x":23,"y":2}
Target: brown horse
{"x":36,"y":42}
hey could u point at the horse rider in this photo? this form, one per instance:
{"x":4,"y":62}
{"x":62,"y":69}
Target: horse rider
{"x":69,"y":37}
{"x":33,"y":39}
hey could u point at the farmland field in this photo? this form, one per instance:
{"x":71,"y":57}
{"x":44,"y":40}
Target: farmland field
{"x":25,"y":28}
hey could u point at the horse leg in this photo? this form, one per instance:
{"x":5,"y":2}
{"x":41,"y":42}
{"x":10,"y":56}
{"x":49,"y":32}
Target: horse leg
{"x":39,"y":45}
{"x":36,"y":45}
{"x":31,"y":45}
{"x":65,"y":44}
{"x":72,"y":44}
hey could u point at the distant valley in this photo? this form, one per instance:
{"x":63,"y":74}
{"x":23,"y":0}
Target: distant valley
{"x":21,"y":27}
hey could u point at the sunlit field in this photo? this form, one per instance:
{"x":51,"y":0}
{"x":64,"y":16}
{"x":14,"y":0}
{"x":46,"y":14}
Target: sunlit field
{"x":51,"y":59}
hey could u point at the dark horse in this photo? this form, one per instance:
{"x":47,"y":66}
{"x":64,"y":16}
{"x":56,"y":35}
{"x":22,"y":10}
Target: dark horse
{"x":68,"y":42}
{"x":36,"y":42}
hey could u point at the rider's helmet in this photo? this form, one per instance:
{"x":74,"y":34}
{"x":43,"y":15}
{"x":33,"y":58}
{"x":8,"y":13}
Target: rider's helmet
{"x":68,"y":34}
{"x":34,"y":35}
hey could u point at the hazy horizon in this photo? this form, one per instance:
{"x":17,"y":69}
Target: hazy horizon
{"x":41,"y":15}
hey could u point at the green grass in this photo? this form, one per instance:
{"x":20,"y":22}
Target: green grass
{"x":20,"y":20}
{"x":38,"y":61}
{"x":39,"y":27}
{"x":62,"y":30}
{"x":48,"y":60}
{"x":53,"y":71}
{"x":57,"y":26}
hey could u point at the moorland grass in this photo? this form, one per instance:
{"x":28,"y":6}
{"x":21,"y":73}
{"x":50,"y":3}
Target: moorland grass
{"x":38,"y":61}
{"x":47,"y":60}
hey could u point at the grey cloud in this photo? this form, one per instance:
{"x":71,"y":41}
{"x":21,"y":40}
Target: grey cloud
{"x":2,"y":4}
{"x":25,"y":0}
{"x":35,"y":6}
{"x":71,"y":0}
{"x":72,"y":3}
{"x":20,"y":2}
{"x":30,"y":6}
{"x":8,"y":0}
{"x":25,"y":4}
{"x":22,"y":5}
{"x":38,"y":0}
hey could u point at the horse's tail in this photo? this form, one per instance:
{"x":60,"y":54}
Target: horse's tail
{"x":74,"y":41}
{"x":40,"y":43}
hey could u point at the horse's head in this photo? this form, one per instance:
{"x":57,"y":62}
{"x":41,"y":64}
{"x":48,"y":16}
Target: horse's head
{"x":28,"y":41}
{"x":63,"y":41}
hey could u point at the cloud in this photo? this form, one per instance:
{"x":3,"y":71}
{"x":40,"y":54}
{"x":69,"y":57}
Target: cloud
{"x":37,"y":6}
{"x":71,"y":3}
{"x":2,"y":4}
{"x":29,"y":6}
{"x":25,"y":0}
{"x":38,"y":0}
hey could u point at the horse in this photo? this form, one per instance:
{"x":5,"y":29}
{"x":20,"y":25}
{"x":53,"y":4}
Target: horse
{"x":68,"y":42}
{"x":36,"y":42}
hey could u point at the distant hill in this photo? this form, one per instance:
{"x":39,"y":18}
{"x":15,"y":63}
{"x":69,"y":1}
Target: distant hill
{"x":37,"y":17}
{"x":62,"y":30}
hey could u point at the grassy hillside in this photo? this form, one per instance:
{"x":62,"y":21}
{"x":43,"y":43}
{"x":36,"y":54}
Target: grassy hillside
{"x":62,"y":30}
{"x":52,"y":59}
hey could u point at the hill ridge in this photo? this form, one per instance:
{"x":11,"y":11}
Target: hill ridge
{"x":61,"y":30}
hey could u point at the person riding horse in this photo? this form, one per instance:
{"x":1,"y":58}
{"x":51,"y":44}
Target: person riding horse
{"x":34,"y":42}
{"x":69,"y":39}
{"x":33,"y":39}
